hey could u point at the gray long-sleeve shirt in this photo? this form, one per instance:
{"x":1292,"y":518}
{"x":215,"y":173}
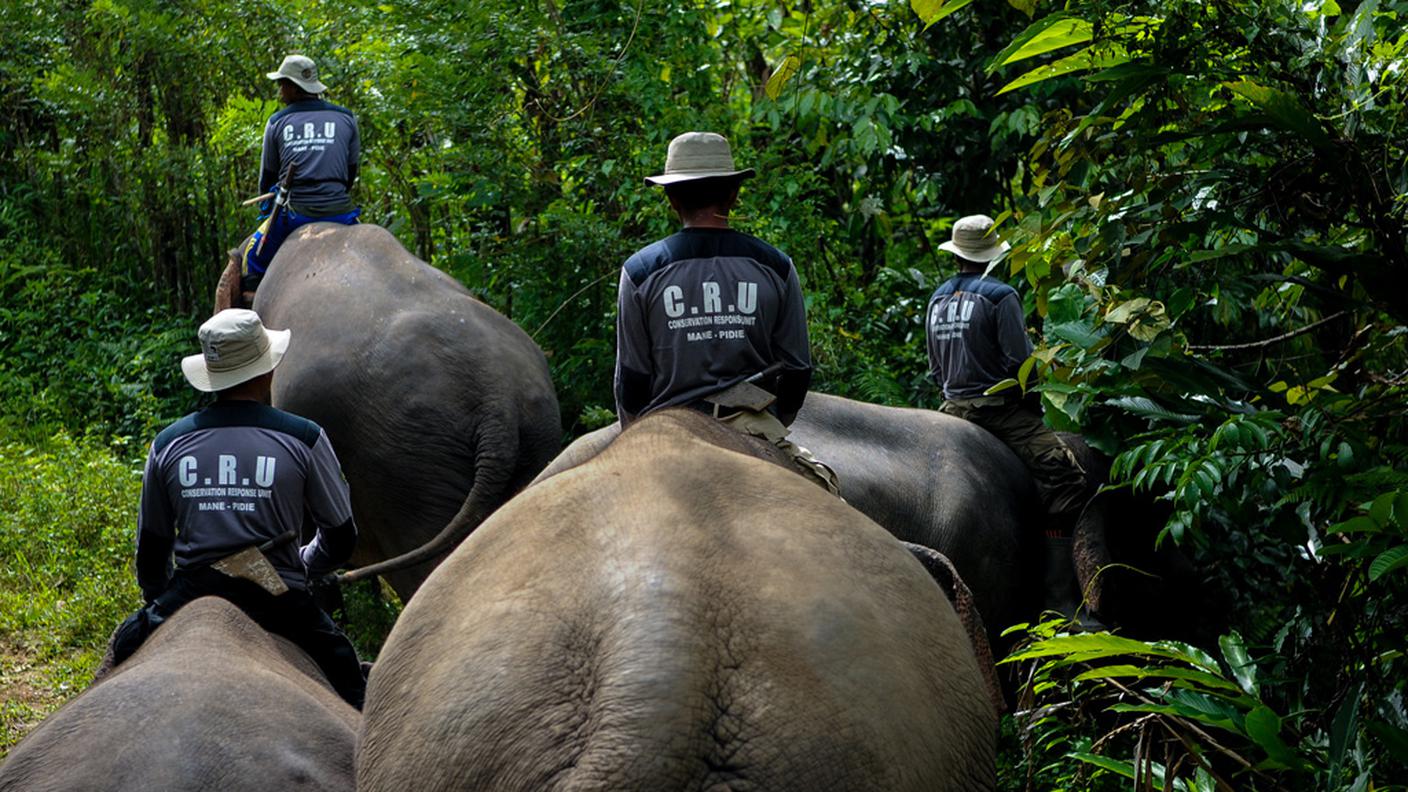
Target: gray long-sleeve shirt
{"x":321,"y":141}
{"x":237,"y":474}
{"x":704,"y":309}
{"x":975,"y":335}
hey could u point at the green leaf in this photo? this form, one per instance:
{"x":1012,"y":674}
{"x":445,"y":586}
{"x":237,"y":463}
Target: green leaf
{"x":1054,"y":34}
{"x":1235,"y":652}
{"x":1078,"y":333}
{"x":931,"y":11}
{"x":1113,"y":765}
{"x":1033,"y":30}
{"x":1139,"y":405}
{"x":1389,"y":560}
{"x":1264,"y":728}
{"x":1091,"y":645}
{"x":784,"y":72}
{"x":1383,"y":510}
{"x":1343,"y":730}
{"x":1182,"y":674}
{"x":1284,"y":109}
{"x":1360,"y":524}
{"x":1001,"y":386}
{"x":1024,"y":373}
{"x":1092,"y":57}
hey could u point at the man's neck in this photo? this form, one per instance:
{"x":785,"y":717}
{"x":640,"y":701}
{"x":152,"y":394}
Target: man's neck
{"x":705,"y":218}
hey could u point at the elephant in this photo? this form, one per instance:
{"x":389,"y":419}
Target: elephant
{"x":210,"y":701}
{"x":681,"y":611}
{"x":439,"y":407}
{"x":941,"y":482}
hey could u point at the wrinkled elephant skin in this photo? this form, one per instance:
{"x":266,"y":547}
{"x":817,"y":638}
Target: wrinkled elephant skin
{"x":676,"y":613}
{"x":210,"y":701}
{"x":439,"y":407}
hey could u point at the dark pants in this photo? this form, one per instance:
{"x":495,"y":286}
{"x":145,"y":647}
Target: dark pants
{"x":274,"y":235}
{"x":292,"y":615}
{"x":1060,"y":480}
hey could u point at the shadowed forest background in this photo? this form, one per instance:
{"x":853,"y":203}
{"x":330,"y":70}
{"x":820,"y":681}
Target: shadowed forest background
{"x":1208,"y":203}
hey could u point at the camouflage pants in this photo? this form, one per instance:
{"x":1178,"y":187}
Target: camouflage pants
{"x":1059,"y":477}
{"x":765,"y":425}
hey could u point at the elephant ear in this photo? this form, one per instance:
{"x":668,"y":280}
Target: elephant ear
{"x":943,"y":573}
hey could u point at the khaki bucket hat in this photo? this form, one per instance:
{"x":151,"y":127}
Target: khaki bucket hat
{"x":698,"y":155}
{"x":235,"y":348}
{"x":302,"y":71}
{"x":973,"y":239}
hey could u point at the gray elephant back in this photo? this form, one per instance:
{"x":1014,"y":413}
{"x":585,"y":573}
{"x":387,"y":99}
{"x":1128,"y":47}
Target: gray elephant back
{"x":209,"y":702}
{"x":936,"y":481}
{"x":435,"y":403}
{"x":672,"y":615}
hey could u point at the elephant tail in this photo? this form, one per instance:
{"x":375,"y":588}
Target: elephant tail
{"x":489,"y":491}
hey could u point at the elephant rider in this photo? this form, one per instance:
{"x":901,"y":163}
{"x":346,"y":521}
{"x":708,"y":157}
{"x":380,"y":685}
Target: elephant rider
{"x":707,"y":308}
{"x":977,"y":338}
{"x":234,"y":476}
{"x":317,"y":145}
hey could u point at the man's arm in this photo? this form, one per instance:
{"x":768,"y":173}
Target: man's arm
{"x":931,"y":343}
{"x":793,"y":349}
{"x":156,"y":533}
{"x":354,"y":155}
{"x":633,"y":364}
{"x":326,"y":498}
{"x":1012,"y":332}
{"x":269,"y":160}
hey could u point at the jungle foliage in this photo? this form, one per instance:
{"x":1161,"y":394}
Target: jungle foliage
{"x":1208,"y":203}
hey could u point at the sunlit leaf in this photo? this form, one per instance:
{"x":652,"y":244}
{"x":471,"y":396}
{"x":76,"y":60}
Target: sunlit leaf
{"x":784,"y":72}
{"x":1094,"y":57}
{"x":1235,"y":653}
{"x":1284,"y":109}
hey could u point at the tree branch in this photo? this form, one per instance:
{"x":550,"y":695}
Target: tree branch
{"x":1270,"y":341}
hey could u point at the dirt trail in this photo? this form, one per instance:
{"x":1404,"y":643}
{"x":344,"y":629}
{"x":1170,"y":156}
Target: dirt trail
{"x":26,"y":695}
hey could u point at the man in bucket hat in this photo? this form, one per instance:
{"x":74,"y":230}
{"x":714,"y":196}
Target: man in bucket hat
{"x":236,"y":475}
{"x":708,"y":308}
{"x":976,"y":339}
{"x":318,"y":145}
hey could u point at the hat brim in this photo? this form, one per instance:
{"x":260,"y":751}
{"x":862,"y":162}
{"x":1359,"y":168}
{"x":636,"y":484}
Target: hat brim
{"x":980,"y":255}
{"x":203,"y":379}
{"x":311,"y":86}
{"x":675,"y":178}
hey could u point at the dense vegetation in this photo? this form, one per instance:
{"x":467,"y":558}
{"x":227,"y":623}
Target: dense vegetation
{"x":1208,"y":200}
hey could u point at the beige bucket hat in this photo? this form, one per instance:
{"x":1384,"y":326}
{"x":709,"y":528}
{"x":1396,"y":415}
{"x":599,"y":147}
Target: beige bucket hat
{"x":235,"y":348}
{"x":698,"y":155}
{"x":302,"y":71}
{"x":973,"y":239}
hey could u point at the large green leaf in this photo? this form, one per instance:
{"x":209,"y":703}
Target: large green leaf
{"x":1054,"y":34}
{"x":1389,"y":560}
{"x":1099,"y":56}
{"x":1033,"y":30}
{"x":1235,"y":652}
{"x":1264,"y":727}
{"x":1181,"y":674}
{"x":1092,"y":646}
{"x":931,"y":11}
{"x":1284,"y":109}
{"x":785,"y":71}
